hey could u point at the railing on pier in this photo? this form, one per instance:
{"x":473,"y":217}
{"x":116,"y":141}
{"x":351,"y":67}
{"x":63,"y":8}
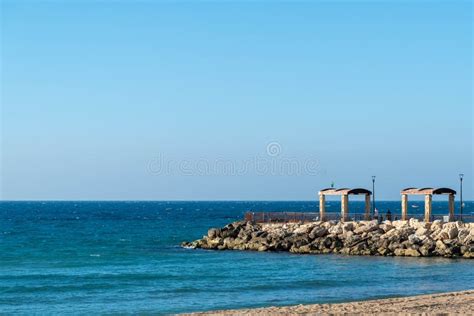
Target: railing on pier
{"x":281,"y":217}
{"x":464,"y":218}
{"x":288,"y":217}
{"x":441,"y":217}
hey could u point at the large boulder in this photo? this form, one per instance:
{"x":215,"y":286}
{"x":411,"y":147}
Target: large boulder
{"x":414,"y":239}
{"x":440,"y":245}
{"x":386,"y":227}
{"x":303,"y":229}
{"x":436,"y":225}
{"x":399,"y":252}
{"x":367,"y":228}
{"x":452,"y":232}
{"x":463,"y":233}
{"x":421,"y":231}
{"x":412,"y":253}
{"x":213,"y":233}
{"x":426,"y":249}
{"x":319,"y":231}
{"x":348,"y":227}
{"x":399,"y":224}
{"x":336,"y":229}
{"x":416,"y":224}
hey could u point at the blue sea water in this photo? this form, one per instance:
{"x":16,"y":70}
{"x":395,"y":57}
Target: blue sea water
{"x":124,"y":257}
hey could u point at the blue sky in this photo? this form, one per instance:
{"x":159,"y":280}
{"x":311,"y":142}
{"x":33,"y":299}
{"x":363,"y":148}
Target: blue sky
{"x":96,"y":95}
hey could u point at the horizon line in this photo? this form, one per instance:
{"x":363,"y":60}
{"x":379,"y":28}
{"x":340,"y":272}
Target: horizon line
{"x":224,"y":200}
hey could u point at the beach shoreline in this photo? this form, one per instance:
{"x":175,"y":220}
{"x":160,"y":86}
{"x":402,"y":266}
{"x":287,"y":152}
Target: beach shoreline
{"x":461,"y":302}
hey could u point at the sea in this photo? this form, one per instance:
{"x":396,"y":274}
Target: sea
{"x":105,"y":257}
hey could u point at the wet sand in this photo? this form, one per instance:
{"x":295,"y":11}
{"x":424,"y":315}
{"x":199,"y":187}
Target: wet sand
{"x":443,"y":303}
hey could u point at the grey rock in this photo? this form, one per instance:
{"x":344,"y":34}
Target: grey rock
{"x":318,"y":232}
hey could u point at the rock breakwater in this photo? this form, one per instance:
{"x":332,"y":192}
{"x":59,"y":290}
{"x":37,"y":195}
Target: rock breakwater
{"x":390,"y":238}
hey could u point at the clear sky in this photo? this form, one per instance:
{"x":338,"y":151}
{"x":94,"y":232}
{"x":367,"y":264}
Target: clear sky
{"x":98,"y":96}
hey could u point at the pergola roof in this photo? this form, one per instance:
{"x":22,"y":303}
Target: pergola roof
{"x":344,"y":191}
{"x":428,"y":191}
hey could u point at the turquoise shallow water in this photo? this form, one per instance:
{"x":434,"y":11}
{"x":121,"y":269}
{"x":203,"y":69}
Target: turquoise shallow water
{"x":124,"y":257}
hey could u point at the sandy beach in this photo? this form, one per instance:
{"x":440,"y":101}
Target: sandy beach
{"x":444,"y":303}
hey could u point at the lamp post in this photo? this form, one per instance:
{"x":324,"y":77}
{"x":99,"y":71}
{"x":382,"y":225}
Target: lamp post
{"x":461,"y":176}
{"x":373,"y":196}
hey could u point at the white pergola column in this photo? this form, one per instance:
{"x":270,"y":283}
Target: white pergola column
{"x":367,"y":207}
{"x":404,"y":207}
{"x":344,"y":207}
{"x":428,"y":200}
{"x":322,"y":207}
{"x":451,"y":207}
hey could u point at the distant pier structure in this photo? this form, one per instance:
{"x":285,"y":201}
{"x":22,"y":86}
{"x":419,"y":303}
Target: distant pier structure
{"x":428,"y":193}
{"x":344,"y":193}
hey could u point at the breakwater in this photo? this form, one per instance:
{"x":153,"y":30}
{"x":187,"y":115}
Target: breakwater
{"x":389,"y":238}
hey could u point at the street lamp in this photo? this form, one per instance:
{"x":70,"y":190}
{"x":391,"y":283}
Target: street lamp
{"x":461,"y":176}
{"x":373,"y":195}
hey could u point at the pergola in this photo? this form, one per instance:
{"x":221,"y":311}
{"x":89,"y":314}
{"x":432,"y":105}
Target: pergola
{"x":428,"y":193}
{"x":344,"y":193}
